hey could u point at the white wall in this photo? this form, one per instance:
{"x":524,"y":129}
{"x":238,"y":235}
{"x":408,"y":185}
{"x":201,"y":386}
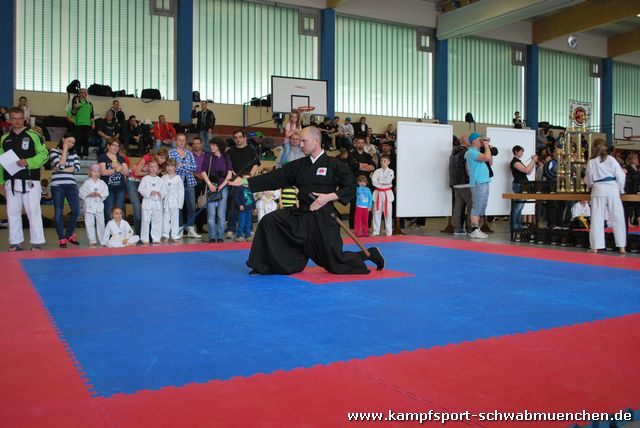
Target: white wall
{"x":588,"y":45}
{"x":408,"y":12}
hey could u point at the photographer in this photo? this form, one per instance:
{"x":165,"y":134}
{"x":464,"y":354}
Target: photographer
{"x":520,"y":171}
{"x":479,"y":158}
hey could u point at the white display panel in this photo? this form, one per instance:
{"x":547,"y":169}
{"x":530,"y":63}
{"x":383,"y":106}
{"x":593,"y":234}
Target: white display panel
{"x":422,"y":179}
{"x":625,"y":126}
{"x":504,"y":139}
{"x":288,"y":93}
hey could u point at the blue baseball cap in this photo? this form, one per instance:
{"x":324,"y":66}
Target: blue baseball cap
{"x":474,"y":136}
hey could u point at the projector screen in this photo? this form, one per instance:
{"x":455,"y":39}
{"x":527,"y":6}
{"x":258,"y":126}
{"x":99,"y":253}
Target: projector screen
{"x":504,"y":139}
{"x":422,"y":178}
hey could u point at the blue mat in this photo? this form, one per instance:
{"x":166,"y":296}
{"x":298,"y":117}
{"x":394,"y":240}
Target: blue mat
{"x":148,"y":321}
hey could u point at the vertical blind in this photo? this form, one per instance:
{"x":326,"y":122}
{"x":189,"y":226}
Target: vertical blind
{"x":483,"y":81}
{"x":111,"y":42}
{"x":239,"y":45}
{"x":379,"y":70}
{"x":626,"y":89}
{"x":563,"y":77}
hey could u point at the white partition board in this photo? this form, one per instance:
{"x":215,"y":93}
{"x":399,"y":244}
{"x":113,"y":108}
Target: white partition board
{"x":422,"y":179}
{"x":504,"y":139}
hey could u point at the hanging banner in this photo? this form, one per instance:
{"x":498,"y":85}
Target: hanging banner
{"x":579,"y":114}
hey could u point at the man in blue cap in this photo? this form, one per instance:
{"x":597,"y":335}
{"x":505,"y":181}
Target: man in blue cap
{"x":478,"y":180}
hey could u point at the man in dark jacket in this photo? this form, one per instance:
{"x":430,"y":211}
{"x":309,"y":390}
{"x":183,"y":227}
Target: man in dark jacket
{"x":205,"y":121}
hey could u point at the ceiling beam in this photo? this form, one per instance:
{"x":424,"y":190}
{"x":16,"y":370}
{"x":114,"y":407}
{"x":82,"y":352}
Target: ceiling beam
{"x":488,"y":14}
{"x":582,"y":17}
{"x":332,"y":4}
{"x":624,"y":43}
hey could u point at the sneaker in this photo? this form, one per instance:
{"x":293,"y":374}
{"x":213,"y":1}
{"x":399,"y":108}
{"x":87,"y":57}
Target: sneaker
{"x":15,"y":247}
{"x":212,"y":240}
{"x":459,"y":232}
{"x":239,"y":239}
{"x":249,"y":239}
{"x":229,"y":235}
{"x":478,"y":234}
{"x":62,"y":243}
{"x":73,"y":241}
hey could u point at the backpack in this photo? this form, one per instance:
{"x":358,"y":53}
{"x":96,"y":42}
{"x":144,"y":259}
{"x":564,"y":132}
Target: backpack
{"x":74,"y":87}
{"x":458,"y":168}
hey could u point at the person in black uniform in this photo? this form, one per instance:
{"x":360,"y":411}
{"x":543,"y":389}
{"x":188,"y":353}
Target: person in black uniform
{"x":286,"y":239}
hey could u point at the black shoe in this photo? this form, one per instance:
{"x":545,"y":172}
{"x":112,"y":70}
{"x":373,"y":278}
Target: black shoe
{"x":376,"y":257}
{"x":213,"y":240}
{"x":219,"y":240}
{"x":254,"y":272}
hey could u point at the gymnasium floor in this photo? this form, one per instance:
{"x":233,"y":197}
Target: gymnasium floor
{"x":182,"y":336}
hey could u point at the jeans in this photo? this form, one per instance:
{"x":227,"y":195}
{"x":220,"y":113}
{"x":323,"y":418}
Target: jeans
{"x":244,"y":222}
{"x":461,"y":200}
{"x":217,"y":215}
{"x":115,"y":199}
{"x":59,"y":193}
{"x":516,"y":209}
{"x":204,"y":136}
{"x":159,"y":143}
{"x":134,"y":198}
{"x":187,"y":216}
{"x":479,"y":199}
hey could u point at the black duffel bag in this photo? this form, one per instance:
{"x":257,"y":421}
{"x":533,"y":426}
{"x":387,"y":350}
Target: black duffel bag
{"x":151,"y":94}
{"x":100,"y":90}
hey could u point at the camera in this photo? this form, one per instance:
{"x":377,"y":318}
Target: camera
{"x":494,"y":151}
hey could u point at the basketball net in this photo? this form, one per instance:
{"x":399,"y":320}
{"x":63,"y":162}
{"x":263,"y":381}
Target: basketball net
{"x":305,"y":114}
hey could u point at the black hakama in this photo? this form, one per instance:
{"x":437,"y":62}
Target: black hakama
{"x":286,"y":239}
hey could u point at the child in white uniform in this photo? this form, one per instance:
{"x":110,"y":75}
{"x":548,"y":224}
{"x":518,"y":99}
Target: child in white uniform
{"x":172,"y":203}
{"x":93,"y":192}
{"x":382,"y":180}
{"x":606,"y":179}
{"x":153,"y":191}
{"x":118,"y":232}
{"x":266,"y":202}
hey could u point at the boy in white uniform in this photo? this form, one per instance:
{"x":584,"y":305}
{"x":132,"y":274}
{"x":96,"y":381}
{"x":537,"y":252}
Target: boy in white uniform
{"x":382,"y":180}
{"x":266,"y":202}
{"x":93,"y":192}
{"x":153,"y":191}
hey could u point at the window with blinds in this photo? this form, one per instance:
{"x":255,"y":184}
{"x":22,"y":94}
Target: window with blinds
{"x":112,"y":42}
{"x":565,"y":77}
{"x":484,"y":81}
{"x":380,"y":71}
{"x":239,"y":45}
{"x":626,"y":89}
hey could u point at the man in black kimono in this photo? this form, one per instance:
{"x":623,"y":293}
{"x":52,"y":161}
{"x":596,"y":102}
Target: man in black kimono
{"x":286,"y":239}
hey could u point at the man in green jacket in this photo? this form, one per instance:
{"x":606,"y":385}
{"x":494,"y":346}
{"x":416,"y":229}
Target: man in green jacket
{"x":81,"y":115}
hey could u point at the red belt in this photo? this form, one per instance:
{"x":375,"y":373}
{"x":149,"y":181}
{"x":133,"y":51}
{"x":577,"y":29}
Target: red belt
{"x":378,"y":200}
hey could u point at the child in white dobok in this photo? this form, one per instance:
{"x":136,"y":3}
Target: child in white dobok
{"x":382,"y":180}
{"x":153,"y":191}
{"x":266,"y":202}
{"x":93,"y":192}
{"x":118,"y":232}
{"x":172,"y":203}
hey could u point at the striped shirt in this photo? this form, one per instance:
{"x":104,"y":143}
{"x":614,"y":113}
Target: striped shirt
{"x":58,"y":175}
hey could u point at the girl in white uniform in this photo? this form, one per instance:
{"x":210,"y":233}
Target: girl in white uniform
{"x":118,"y":232}
{"x":266,"y":202}
{"x":382,"y":180}
{"x":172,"y":203}
{"x":606,"y":179}
{"x":153,"y":191}
{"x":93,"y":192}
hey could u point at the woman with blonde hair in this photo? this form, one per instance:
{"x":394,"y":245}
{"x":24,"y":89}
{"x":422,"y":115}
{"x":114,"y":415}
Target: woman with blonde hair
{"x":606,"y":179}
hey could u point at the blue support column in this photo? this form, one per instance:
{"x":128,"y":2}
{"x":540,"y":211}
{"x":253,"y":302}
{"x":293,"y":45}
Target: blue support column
{"x":606,"y":99}
{"x":441,"y":81}
{"x":184,"y":59}
{"x":531,"y":83}
{"x":7,"y":23}
{"x":328,"y":56}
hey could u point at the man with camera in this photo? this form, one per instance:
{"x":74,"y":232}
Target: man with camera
{"x":205,"y":121}
{"x":479,"y":158}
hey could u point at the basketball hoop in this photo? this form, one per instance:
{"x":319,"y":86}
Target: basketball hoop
{"x":633,"y":138}
{"x":305,"y":113}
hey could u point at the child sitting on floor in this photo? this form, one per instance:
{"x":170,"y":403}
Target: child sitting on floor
{"x":118,"y":232}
